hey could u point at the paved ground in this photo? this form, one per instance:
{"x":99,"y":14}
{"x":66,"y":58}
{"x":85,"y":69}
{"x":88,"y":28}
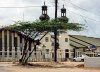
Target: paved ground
{"x":2,"y":69}
{"x":46,"y":67}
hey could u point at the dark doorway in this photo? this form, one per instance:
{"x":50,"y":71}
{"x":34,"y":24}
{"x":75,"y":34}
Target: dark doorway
{"x":74,"y":53}
{"x":66,"y":55}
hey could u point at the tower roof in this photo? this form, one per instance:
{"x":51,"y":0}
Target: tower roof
{"x":63,"y":10}
{"x":44,"y":7}
{"x":44,"y":15}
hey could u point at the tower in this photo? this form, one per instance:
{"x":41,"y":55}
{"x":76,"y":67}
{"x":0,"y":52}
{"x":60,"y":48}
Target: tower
{"x":44,"y":15}
{"x":63,"y":12}
{"x":63,"y":15}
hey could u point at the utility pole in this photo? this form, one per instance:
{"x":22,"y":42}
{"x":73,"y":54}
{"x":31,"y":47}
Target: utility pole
{"x":55,"y":33}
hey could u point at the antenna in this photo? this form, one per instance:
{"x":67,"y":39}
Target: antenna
{"x":63,"y":5}
{"x":44,"y":2}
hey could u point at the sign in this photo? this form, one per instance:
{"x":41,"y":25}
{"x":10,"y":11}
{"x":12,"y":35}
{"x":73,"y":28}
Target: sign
{"x":93,"y":47}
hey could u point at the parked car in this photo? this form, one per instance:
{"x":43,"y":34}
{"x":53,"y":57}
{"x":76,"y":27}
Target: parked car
{"x":98,"y":55}
{"x":80,"y":58}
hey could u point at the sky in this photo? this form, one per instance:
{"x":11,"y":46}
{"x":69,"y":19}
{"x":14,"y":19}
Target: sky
{"x":78,"y":11}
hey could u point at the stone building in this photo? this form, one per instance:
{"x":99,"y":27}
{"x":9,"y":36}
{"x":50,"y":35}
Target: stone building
{"x":11,"y":45}
{"x":69,"y":46}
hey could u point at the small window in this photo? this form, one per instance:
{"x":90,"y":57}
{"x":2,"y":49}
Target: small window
{"x":10,"y":53}
{"x":46,"y":39}
{"x":5,"y":54}
{"x":52,"y":44}
{"x":47,"y":51}
{"x":66,"y":39}
{"x":15,"y":53}
{"x":66,"y":50}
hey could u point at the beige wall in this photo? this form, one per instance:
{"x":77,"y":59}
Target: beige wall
{"x":62,"y":45}
{"x":92,"y":62}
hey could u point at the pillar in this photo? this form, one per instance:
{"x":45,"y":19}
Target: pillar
{"x":3,"y":45}
{"x":13,"y":48}
{"x":18,"y":46}
{"x":7,"y":45}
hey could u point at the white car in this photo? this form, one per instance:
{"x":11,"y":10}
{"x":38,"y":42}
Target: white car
{"x":80,"y":58}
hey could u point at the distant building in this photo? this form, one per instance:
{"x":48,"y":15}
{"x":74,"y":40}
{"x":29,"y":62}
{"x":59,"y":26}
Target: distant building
{"x":83,"y":44}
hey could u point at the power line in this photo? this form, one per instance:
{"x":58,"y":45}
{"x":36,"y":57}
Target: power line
{"x":90,"y":27}
{"x":23,"y":6}
{"x":84,"y":16}
{"x":80,"y":7}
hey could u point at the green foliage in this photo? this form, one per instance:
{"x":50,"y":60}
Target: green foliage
{"x":41,"y":26}
{"x":61,"y":24}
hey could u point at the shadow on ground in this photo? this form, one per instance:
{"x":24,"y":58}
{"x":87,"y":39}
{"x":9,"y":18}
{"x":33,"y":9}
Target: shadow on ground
{"x":46,"y":65}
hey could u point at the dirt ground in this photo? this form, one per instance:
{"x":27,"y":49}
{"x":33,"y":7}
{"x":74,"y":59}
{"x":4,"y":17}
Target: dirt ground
{"x":48,"y":67}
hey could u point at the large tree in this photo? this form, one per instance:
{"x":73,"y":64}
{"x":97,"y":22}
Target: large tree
{"x":34,"y":29}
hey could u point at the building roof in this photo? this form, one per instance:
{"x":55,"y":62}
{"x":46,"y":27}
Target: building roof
{"x":83,"y":41}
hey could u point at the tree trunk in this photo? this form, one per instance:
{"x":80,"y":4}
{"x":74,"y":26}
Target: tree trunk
{"x":30,"y":54}
{"x":29,"y":49}
{"x":24,"y":52}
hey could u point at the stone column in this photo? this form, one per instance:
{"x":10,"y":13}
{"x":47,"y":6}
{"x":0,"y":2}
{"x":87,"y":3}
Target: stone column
{"x":7,"y":44}
{"x":3,"y":46}
{"x":18,"y":46}
{"x":16,"y":56}
{"x":13,"y":48}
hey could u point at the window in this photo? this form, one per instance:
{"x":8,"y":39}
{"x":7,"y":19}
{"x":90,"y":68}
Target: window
{"x":52,"y":44}
{"x":66,"y":50}
{"x":66,"y":39}
{"x":5,"y":54}
{"x":47,"y":51}
{"x":72,"y":54}
{"x":52,"y":55}
{"x":15,"y":53}
{"x":10,"y":54}
{"x":46,"y":39}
